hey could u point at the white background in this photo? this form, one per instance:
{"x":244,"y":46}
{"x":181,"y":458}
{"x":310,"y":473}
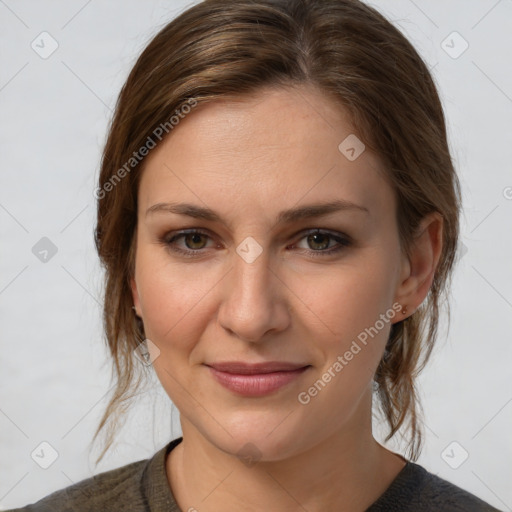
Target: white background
{"x":54,"y":374}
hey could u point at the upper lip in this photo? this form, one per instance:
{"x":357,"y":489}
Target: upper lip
{"x":241,"y":367}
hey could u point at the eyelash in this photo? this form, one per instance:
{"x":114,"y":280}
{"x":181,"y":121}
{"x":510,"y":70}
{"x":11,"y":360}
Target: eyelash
{"x":343,"y":241}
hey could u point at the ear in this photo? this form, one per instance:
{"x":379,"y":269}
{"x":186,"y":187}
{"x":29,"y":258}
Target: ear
{"x":418,"y":271}
{"x":135,"y":296}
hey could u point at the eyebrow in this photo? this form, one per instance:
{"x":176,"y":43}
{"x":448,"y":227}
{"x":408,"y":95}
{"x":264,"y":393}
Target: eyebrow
{"x":286,"y":216}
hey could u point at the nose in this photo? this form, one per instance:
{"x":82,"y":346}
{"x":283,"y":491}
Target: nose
{"x":254,"y":300}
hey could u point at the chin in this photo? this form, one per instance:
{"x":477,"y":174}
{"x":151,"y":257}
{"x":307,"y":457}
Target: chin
{"x":252,"y":439}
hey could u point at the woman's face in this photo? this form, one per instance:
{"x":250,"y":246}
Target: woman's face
{"x":256,"y":285}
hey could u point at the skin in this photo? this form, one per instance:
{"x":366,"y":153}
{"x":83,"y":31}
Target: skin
{"x":248,"y":159}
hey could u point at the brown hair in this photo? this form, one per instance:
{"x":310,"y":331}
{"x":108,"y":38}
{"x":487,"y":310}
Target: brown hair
{"x":347,"y":50}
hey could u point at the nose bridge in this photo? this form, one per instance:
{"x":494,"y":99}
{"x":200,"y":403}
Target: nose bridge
{"x":251,"y":304}
{"x":250,"y":280}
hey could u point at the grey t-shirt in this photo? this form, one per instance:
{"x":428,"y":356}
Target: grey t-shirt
{"x":142,"y":486}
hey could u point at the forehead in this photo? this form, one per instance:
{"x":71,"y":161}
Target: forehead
{"x":274,"y":146}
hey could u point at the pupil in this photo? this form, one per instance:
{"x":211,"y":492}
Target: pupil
{"x":321,"y":236}
{"x":195,"y":237}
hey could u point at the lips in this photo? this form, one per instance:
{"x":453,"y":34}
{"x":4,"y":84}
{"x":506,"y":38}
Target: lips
{"x":255,"y":379}
{"x":243,"y":368}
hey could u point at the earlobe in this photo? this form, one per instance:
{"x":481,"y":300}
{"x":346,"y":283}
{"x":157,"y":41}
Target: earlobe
{"x":419,"y":269}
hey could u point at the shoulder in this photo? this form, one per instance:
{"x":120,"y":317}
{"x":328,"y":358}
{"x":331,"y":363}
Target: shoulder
{"x":129,"y":487}
{"x":417,"y":489}
{"x":111,"y":490}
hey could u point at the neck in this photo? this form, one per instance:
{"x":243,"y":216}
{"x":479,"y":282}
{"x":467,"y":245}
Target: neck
{"x":348,"y":470}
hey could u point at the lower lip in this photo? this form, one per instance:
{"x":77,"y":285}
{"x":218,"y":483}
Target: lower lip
{"x":258,"y":384}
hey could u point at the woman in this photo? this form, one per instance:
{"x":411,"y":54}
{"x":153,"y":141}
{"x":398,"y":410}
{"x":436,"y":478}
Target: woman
{"x":278,"y":220}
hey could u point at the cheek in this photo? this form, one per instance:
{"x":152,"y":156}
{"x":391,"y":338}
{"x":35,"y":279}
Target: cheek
{"x":172,"y":298}
{"x":350,"y":298}
{"x":362,"y":318}
{"x":356,"y":304}
{"x":173,"y":301}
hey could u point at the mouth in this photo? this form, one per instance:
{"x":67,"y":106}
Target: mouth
{"x":255,"y":379}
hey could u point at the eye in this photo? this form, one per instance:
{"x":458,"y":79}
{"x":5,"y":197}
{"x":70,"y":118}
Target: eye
{"x":319,"y":240}
{"x":323,"y":243}
{"x":193,"y":239}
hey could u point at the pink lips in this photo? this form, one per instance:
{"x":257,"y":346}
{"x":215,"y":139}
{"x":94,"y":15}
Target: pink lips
{"x":255,"y":379}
